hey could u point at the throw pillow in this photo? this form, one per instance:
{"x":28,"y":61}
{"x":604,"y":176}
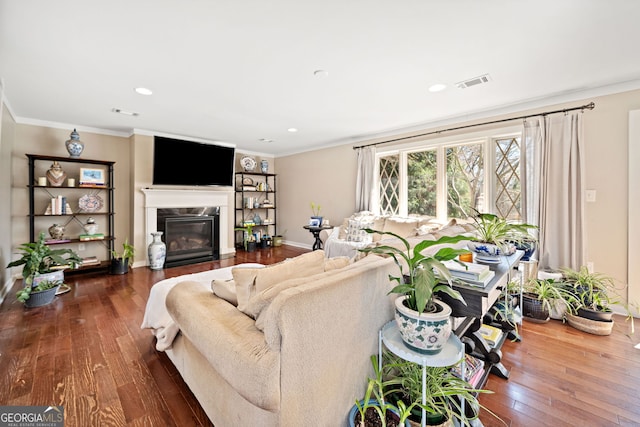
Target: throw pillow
{"x":250,"y":281}
{"x":225,"y":289}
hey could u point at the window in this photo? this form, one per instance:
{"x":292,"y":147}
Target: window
{"x":452,"y":178}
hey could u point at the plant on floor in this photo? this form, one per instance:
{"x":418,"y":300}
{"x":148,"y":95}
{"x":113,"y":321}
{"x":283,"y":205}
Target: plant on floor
{"x":38,"y":258}
{"x":25,"y":293}
{"x":127,"y":254}
{"x":542,"y":296}
{"x":594,"y":291}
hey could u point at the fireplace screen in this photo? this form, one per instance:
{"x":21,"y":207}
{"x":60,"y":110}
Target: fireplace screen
{"x":190,"y":236}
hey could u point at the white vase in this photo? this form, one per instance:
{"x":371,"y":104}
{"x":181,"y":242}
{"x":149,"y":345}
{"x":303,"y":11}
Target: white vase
{"x":157,"y":252}
{"x":425,"y":333}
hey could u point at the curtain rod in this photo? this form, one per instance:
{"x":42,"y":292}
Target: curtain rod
{"x":589,"y":106}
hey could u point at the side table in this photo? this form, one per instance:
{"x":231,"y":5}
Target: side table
{"x":317,"y":244}
{"x":452,"y":353}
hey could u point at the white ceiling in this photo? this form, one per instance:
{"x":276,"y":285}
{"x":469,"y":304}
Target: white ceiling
{"x":238,"y":71}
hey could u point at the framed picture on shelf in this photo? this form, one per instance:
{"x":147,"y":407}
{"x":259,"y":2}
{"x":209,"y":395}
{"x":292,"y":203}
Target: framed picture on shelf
{"x":314,"y":222}
{"x":90,"y":176}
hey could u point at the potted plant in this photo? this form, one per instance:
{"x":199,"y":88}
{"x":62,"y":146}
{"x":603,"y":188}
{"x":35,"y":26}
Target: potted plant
{"x":38,"y":258}
{"x":120,"y":261}
{"x":445,"y":393}
{"x":248,"y":239}
{"x":316,"y":219}
{"x":374,"y":409}
{"x":39,"y":294}
{"x":497,"y":236}
{"x":423,"y":320}
{"x":542,"y":296}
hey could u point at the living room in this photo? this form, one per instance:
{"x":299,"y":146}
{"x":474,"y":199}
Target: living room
{"x":326,"y":174}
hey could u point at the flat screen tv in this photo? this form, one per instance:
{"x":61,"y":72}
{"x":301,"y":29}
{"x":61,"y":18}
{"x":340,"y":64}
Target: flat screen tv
{"x":179,"y":162}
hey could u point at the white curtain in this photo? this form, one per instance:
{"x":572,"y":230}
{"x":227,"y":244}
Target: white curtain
{"x":554,"y":179}
{"x":365,"y":178}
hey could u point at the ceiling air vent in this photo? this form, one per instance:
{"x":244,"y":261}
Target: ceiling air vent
{"x":474,"y":81}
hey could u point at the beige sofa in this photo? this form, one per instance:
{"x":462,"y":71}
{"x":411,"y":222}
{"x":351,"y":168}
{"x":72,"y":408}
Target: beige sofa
{"x":348,"y":238}
{"x":303,"y":361}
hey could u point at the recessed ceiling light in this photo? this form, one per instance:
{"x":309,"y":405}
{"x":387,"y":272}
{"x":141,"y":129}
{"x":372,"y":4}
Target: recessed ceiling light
{"x":126,"y":113}
{"x":437,"y":87}
{"x":292,"y":130}
{"x":321,"y":73}
{"x":143,"y":91}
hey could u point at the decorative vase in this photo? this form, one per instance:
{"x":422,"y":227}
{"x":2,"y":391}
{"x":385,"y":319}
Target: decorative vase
{"x":425,"y":333}
{"x":56,"y":231}
{"x":74,"y":145}
{"x":90,"y":227}
{"x":157,"y":251}
{"x":264,"y":166}
{"x":55,"y":175}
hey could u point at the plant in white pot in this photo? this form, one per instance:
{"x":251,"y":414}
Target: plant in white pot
{"x":38,"y":258}
{"x":497,"y":236}
{"x":423,"y":320}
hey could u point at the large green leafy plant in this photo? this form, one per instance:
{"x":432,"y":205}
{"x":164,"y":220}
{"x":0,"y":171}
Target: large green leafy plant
{"x":38,"y":257}
{"x":421,"y":275}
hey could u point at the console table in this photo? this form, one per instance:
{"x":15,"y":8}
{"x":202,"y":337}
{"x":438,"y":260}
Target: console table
{"x":479,"y":300}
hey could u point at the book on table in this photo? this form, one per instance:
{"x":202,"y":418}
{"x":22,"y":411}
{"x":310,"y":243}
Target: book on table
{"x":491,"y":334}
{"x":468,"y":270}
{"x":477,"y":283}
{"x":88,"y":237}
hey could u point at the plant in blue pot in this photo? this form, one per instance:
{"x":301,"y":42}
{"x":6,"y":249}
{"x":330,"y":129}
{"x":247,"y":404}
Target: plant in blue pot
{"x":423,"y":320}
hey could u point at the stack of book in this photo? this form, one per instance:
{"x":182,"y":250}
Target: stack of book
{"x":474,"y":369}
{"x":58,"y":206}
{"x":88,"y":237}
{"x":473,"y":274}
{"x":491,"y":334}
{"x":91,"y":260}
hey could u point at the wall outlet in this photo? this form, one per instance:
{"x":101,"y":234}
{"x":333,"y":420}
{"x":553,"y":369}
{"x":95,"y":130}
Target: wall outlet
{"x":81,"y":247}
{"x":590,"y":196}
{"x":590,"y":267}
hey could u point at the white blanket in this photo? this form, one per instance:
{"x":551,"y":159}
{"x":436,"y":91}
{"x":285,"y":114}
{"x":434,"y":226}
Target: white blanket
{"x":156,"y":316}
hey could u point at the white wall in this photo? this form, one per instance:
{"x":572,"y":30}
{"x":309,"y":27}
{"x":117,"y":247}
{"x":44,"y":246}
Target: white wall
{"x":7,"y":141}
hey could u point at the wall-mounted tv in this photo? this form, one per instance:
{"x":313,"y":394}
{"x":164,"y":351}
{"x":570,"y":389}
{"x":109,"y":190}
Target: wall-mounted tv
{"x":179,"y":162}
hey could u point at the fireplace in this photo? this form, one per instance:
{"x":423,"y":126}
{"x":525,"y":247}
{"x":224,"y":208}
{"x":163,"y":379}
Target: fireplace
{"x":191,"y":234}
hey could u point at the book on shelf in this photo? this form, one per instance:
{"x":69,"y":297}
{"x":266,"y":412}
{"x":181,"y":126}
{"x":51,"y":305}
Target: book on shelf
{"x":58,"y":206}
{"x":474,"y":368}
{"x":87,"y":237}
{"x":91,"y":260}
{"x":51,"y":241}
{"x":491,"y":334}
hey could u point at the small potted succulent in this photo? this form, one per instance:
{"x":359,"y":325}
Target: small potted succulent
{"x":423,"y":320}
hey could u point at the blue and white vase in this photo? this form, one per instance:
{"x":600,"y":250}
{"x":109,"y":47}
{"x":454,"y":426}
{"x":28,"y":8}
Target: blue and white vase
{"x":74,"y":145}
{"x":264,"y":166}
{"x":157,"y":252}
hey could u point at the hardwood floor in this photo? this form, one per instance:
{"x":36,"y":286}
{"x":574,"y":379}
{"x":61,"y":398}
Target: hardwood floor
{"x":86,"y":351}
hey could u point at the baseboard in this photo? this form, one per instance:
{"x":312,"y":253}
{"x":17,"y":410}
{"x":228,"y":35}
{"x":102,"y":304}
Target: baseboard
{"x":6,"y":288}
{"x":297,"y":244}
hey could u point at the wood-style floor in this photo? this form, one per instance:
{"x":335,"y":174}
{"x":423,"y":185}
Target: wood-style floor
{"x":86,"y":351}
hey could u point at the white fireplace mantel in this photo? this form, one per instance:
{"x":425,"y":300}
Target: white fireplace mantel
{"x":188,"y":198}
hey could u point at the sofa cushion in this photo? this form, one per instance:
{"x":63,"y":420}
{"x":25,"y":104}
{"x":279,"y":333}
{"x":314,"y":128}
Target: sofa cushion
{"x":403,"y":227}
{"x":225,"y":289}
{"x":230,"y":342}
{"x":249,"y":281}
{"x":336,"y":263}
